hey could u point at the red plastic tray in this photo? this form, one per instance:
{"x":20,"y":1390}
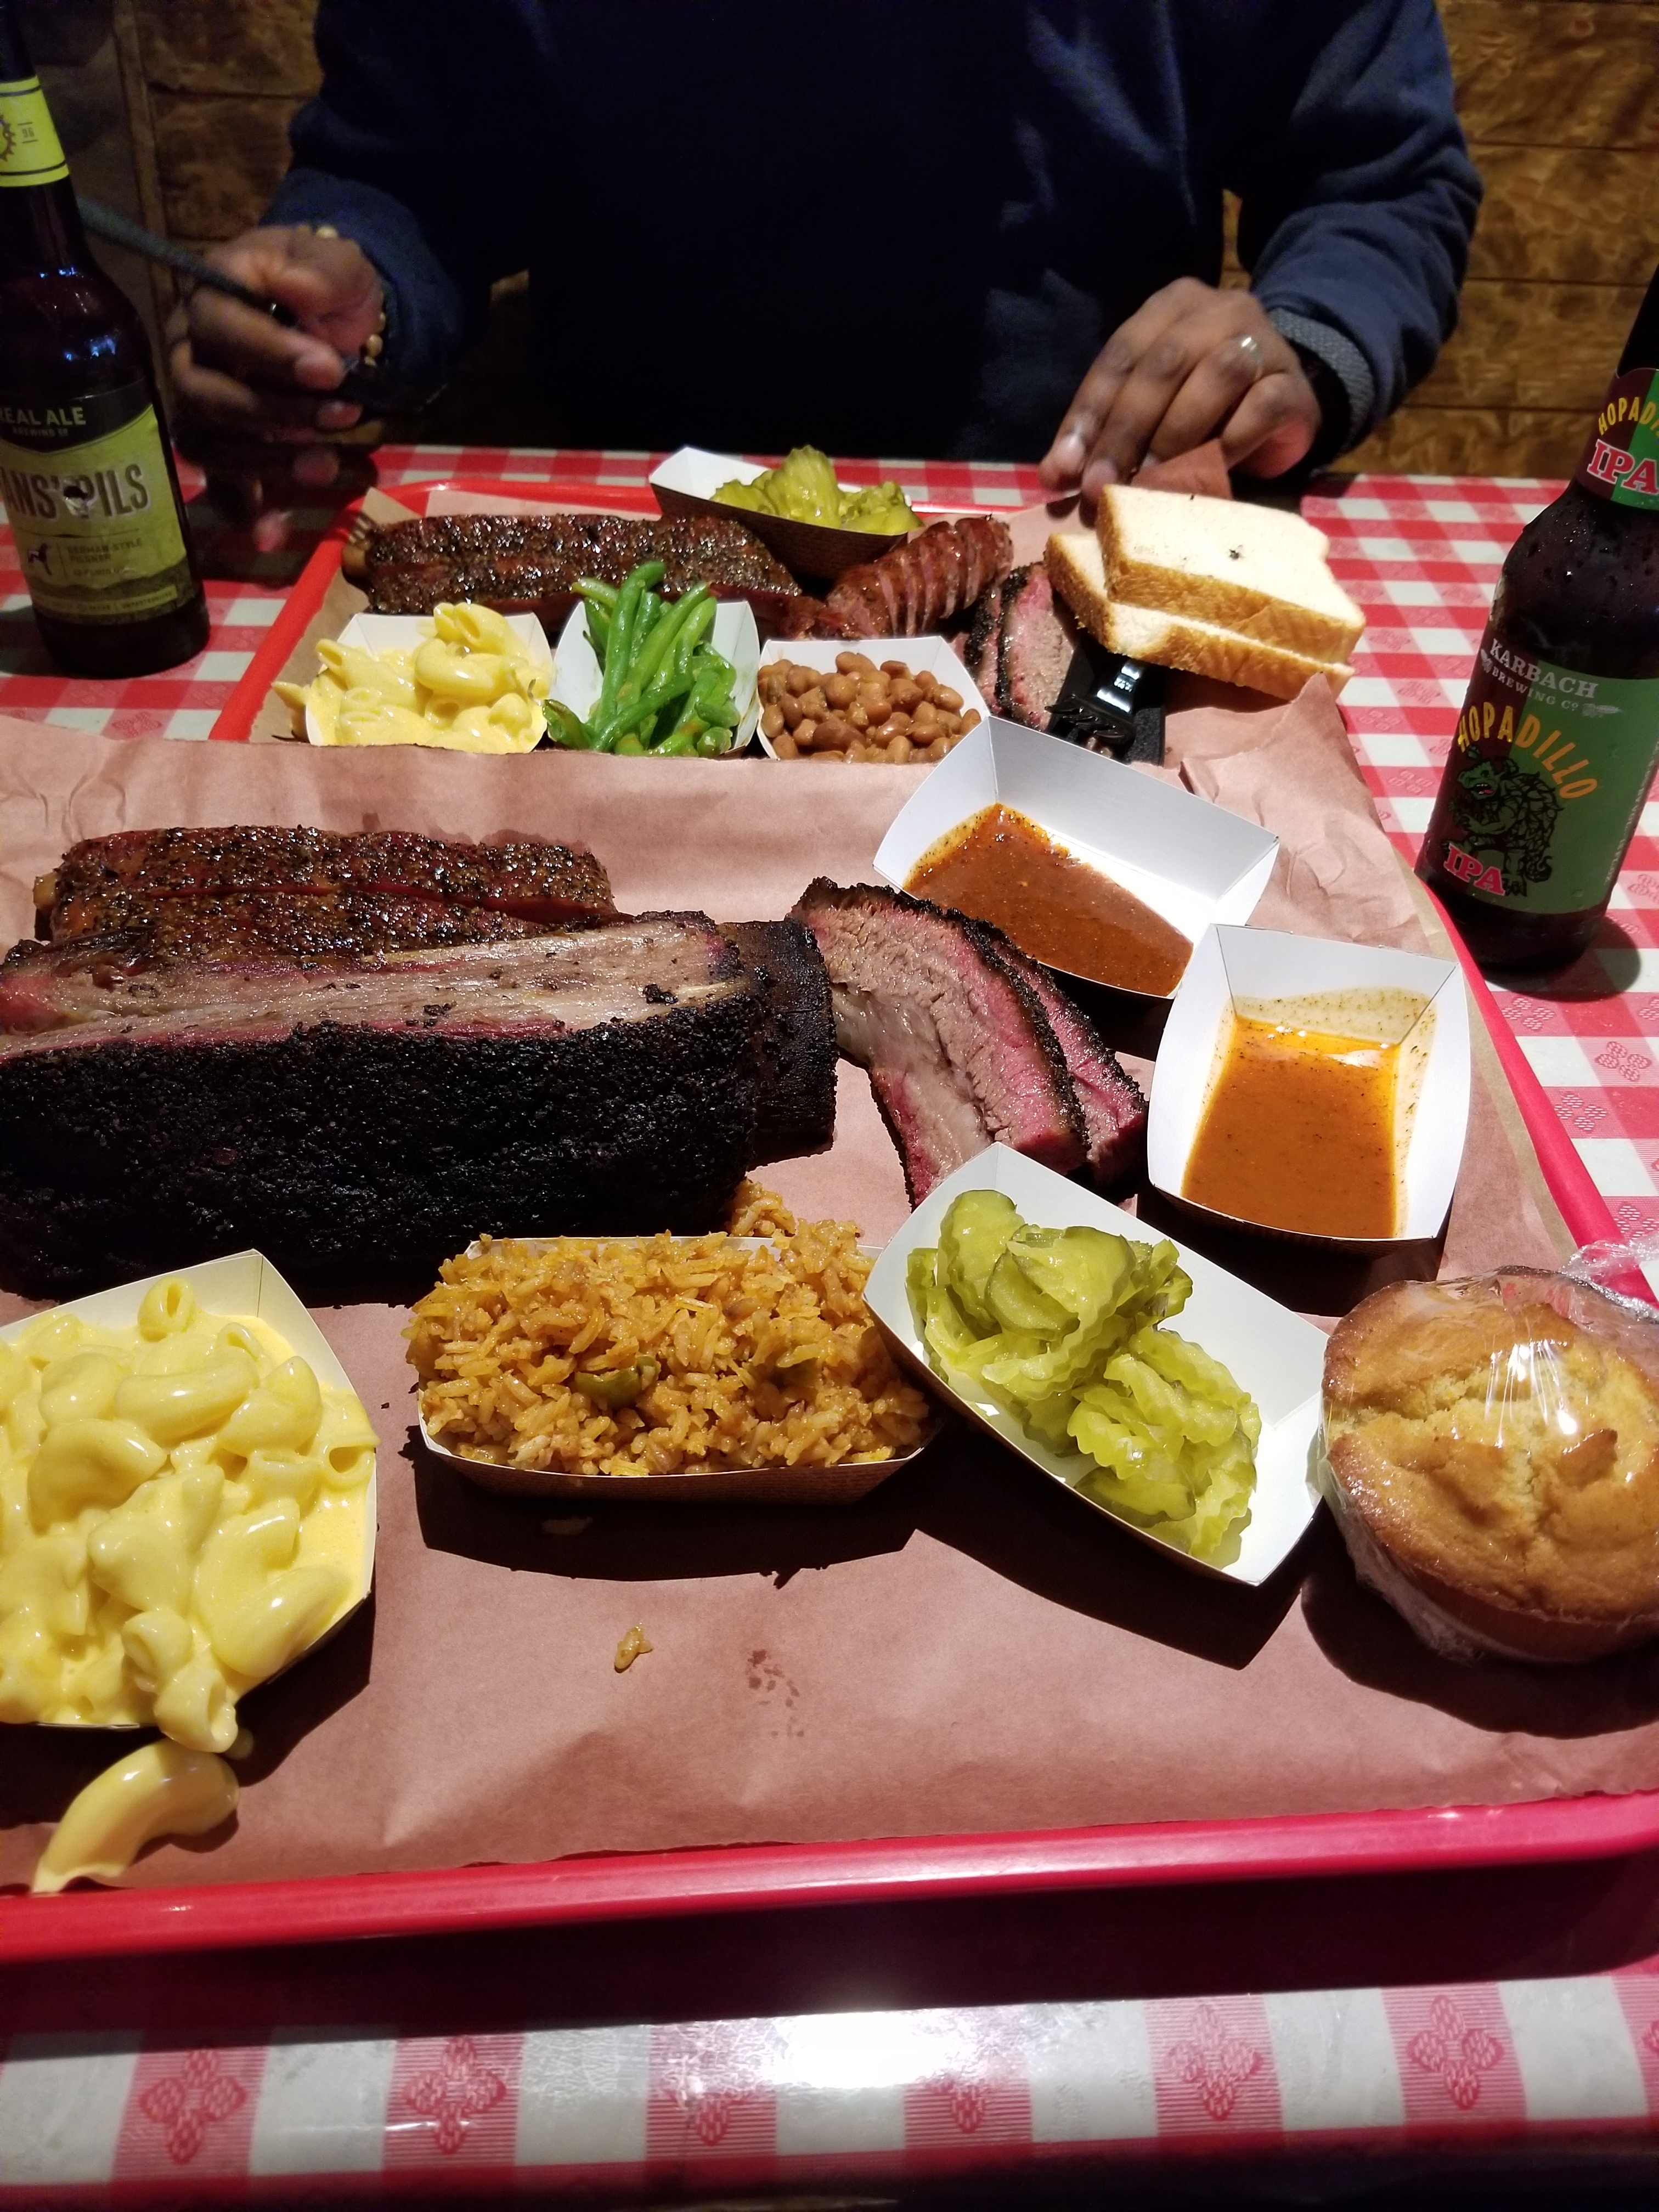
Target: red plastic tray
{"x":652,"y":1884}
{"x":236,"y":716}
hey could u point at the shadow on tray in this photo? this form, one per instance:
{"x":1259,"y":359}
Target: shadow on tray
{"x":44,"y":1767}
{"x":1370,"y":1644}
{"x":1303,"y":1276}
{"x":965,"y":1492}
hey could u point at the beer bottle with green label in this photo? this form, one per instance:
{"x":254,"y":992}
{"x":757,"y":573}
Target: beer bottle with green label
{"x":86,"y":472}
{"x":1558,"y":739}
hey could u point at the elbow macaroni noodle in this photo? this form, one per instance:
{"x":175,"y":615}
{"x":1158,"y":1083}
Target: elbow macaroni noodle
{"x":161,"y":1790}
{"x":473,"y":686}
{"x":183,"y":1510}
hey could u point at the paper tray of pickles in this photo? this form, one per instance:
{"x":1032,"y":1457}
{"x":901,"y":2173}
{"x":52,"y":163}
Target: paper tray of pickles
{"x":967,"y":1677}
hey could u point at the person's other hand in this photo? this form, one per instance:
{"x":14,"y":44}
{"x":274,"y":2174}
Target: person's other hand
{"x":252,"y":404}
{"x":1192,"y":363}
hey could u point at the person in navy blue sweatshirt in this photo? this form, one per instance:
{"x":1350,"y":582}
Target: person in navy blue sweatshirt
{"x":988,"y":228}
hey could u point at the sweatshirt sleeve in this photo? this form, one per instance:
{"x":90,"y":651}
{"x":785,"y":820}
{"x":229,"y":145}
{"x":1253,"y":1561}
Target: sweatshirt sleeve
{"x":381,"y":153}
{"x":1360,"y":200}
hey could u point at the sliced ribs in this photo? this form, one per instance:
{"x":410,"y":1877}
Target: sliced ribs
{"x":959,"y":1050}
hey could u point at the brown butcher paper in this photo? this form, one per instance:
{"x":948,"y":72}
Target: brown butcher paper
{"x":970,"y":1647}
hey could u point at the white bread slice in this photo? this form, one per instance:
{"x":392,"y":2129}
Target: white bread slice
{"x":1258,"y":570}
{"x":1078,"y":574}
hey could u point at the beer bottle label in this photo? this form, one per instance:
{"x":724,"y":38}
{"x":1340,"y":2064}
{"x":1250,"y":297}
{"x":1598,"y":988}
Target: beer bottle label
{"x":88,"y":495}
{"x":29,"y":151}
{"x":1621,"y":460}
{"x":1548,"y":772}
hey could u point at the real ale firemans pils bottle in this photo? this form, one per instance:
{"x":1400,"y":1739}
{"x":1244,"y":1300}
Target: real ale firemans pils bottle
{"x":86,"y":472}
{"x":1556,"y":745}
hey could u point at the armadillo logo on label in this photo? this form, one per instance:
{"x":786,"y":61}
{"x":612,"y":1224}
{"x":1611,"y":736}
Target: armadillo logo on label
{"x":1550,"y":769}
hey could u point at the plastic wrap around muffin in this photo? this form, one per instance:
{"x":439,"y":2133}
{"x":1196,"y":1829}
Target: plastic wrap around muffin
{"x":1491,"y":1456}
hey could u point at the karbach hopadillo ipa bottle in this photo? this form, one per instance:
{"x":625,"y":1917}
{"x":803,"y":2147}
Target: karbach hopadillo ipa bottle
{"x":1556,"y":744}
{"x":86,"y":472}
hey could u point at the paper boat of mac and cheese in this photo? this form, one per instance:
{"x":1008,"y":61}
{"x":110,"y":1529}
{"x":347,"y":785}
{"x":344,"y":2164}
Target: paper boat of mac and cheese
{"x":243,"y":1284}
{"x":407,"y":634}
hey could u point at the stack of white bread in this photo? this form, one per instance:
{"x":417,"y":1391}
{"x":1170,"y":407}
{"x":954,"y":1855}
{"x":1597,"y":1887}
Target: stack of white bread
{"x":1239,"y":592}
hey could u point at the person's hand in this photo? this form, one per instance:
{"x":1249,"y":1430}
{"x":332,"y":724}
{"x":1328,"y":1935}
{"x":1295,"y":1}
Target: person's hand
{"x":253,"y":402}
{"x":1194,"y":363}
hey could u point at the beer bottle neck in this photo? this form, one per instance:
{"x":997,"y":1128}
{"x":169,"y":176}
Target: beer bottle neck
{"x":1642,"y":348}
{"x":15,"y":63}
{"x":1619,"y":464}
{"x":39,"y":222}
{"x":40,"y":228}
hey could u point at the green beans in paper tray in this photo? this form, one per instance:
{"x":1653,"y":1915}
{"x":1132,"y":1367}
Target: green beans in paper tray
{"x":639,"y":675}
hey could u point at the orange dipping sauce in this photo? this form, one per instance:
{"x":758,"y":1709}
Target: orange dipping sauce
{"x":1299,"y":1133}
{"x":1000,"y":867}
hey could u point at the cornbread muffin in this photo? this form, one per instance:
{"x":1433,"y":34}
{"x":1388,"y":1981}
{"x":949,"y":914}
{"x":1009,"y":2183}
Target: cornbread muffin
{"x":1493,"y":1463}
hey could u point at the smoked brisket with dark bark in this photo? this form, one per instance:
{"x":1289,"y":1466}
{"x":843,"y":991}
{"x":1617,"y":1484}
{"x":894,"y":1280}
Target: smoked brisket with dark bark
{"x":1033,"y":653}
{"x":959,"y":1050}
{"x":798,"y":1041}
{"x":364,"y":1116}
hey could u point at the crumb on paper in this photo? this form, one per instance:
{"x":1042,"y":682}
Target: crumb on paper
{"x":571,"y":1524}
{"x":629,"y":1648}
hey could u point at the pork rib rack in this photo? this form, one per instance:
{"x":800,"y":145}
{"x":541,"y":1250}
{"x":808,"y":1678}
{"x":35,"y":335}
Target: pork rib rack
{"x":127,"y":902}
{"x":967,"y":1042}
{"x":529,"y":563}
{"x":109,"y":883}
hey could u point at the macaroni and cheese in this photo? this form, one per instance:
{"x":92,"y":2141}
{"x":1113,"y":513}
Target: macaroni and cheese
{"x":472,"y":685}
{"x":183,"y":1510}
{"x":161,"y":1790}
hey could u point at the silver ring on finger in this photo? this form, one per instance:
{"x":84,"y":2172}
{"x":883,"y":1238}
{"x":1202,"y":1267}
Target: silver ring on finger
{"x":1249,"y":350}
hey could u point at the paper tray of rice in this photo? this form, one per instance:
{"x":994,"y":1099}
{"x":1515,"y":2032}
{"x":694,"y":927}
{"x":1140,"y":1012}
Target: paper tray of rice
{"x":689,"y":1369}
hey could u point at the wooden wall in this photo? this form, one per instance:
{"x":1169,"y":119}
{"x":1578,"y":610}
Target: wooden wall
{"x":1560,"y":99}
{"x":210,"y":87}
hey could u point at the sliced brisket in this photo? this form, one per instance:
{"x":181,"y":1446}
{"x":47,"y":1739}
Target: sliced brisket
{"x":798,"y":1043}
{"x":1113,"y":1108}
{"x":983,"y":648}
{"x":1035,"y":652}
{"x":959,"y":1050}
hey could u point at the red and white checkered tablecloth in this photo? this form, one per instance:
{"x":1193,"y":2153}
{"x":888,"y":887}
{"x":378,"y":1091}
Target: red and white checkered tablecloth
{"x":831,"y":2101}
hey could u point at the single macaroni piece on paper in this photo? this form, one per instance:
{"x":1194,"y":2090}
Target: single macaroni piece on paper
{"x":183,"y":1512}
{"x":472,"y":686}
{"x":161,"y":1790}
